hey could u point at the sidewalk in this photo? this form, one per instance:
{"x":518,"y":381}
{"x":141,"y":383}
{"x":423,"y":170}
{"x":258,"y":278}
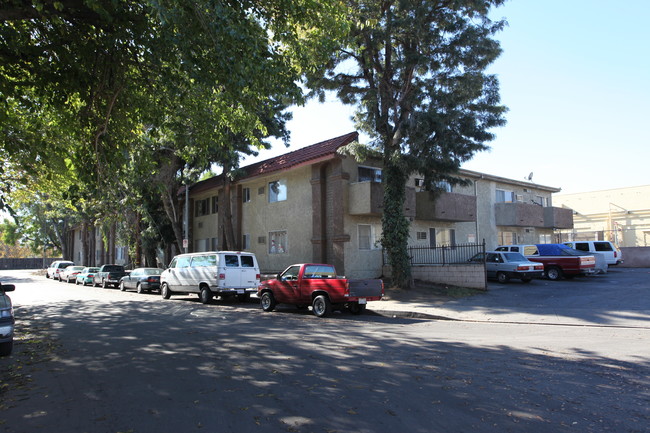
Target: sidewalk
{"x":503,"y":304}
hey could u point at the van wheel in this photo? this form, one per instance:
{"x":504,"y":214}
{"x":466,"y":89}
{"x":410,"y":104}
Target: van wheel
{"x":165,"y":292}
{"x":553,"y":273}
{"x":267,"y":301}
{"x":205,"y":295}
{"x":321,"y":306}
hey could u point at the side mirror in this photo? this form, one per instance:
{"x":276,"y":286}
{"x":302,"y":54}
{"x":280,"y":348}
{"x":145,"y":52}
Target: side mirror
{"x":7,"y":287}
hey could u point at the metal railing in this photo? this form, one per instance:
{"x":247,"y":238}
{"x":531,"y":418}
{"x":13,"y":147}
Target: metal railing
{"x":441,"y":254}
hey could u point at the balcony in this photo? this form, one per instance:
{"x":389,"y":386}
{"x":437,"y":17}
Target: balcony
{"x":445,"y":206}
{"x":367,"y":198}
{"x":519,"y":215}
{"x":558,"y":218}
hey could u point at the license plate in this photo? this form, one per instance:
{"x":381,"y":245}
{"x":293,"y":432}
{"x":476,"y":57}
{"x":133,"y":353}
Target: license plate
{"x":240,"y":291}
{"x":362,"y":300}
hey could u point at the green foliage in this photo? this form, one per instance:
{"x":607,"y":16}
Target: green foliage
{"x":106,"y":102}
{"x":416,"y":71}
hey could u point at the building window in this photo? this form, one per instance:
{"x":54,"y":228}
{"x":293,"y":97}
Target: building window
{"x":278,"y":242}
{"x":365,"y":236}
{"x":541,"y":200}
{"x":504,"y":196}
{"x":261,"y":239}
{"x":214,"y":244}
{"x":443,"y":185}
{"x":246,"y":195}
{"x":442,"y":237}
{"x":215,"y":204}
{"x":545,"y":238}
{"x":421,"y":236}
{"x":507,"y":238}
{"x":369,"y":174}
{"x":201,"y":245}
{"x":246,"y":242}
{"x":201,"y":207}
{"x":277,"y":191}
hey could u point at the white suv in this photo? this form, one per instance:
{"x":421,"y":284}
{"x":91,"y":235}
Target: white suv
{"x":613,"y":255}
{"x":56,"y":268}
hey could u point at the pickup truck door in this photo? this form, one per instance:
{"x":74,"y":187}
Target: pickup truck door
{"x":288,"y":289}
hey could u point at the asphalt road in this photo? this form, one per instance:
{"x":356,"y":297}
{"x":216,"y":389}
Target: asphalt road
{"x":100,"y":360}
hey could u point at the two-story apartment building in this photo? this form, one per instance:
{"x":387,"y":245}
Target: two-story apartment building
{"x":317,"y":205}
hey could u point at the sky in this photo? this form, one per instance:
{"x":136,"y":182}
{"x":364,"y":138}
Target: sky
{"x":575,"y":76}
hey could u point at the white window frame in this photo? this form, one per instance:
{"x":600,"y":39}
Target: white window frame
{"x":278,"y":242}
{"x":246,"y":195}
{"x":281,"y":194}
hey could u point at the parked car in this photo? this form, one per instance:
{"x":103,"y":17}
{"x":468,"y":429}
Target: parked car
{"x":109,"y":275}
{"x":209,"y":274}
{"x":7,"y":320}
{"x":86,"y":276}
{"x":317,"y":284}
{"x":559,"y":260}
{"x":142,"y":280}
{"x":56,"y":267}
{"x":70,"y":273}
{"x":613,"y":255}
{"x":503,"y":266}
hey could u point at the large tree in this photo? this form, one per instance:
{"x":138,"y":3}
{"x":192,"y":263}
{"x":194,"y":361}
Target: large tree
{"x":102,"y":90}
{"x":416,"y":69}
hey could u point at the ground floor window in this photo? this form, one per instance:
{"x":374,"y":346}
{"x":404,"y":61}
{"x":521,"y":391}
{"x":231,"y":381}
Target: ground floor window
{"x":545,"y":238}
{"x":507,"y":238}
{"x":246,"y":242}
{"x":442,"y":237}
{"x":278,"y":242}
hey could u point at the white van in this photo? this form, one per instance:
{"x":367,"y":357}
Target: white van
{"x":612,"y":254}
{"x":213,"y":273}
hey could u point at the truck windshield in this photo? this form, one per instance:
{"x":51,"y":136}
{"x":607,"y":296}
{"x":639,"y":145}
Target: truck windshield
{"x":319,"y":271}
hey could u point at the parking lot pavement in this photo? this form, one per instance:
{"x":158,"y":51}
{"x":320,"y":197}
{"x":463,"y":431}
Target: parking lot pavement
{"x":620,"y":298}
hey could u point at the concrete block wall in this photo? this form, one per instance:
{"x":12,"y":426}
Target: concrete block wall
{"x":460,"y":275}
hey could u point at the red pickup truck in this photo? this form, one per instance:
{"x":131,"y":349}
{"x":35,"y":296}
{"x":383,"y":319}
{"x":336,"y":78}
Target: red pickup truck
{"x":317,"y":285}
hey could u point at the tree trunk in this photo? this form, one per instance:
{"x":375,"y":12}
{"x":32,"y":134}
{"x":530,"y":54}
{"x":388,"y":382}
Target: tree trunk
{"x":228,"y":228}
{"x":395,"y":226}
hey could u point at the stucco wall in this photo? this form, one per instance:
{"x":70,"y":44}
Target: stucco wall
{"x":635,"y":257}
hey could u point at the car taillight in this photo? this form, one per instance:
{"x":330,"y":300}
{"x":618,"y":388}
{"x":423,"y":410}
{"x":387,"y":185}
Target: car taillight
{"x":151,"y":280}
{"x":257,"y":276}
{"x":539,"y":267}
{"x":222,"y":276}
{"x":615,"y":254}
{"x":522,"y":268}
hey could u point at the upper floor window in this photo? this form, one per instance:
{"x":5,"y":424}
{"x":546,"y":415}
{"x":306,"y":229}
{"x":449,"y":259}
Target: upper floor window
{"x":369,"y":174}
{"x":443,"y":185}
{"x":215,"y":204}
{"x":277,"y":191}
{"x":246,"y":195}
{"x":504,"y":196}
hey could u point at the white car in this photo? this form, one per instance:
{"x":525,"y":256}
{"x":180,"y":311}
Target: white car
{"x":6,"y":320}
{"x":56,"y":267}
{"x":503,"y":266}
{"x":613,"y":255}
{"x":69,"y":274}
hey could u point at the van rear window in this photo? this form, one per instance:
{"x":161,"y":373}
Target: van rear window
{"x":232,"y":261}
{"x":247,"y":262}
{"x":603,"y":246}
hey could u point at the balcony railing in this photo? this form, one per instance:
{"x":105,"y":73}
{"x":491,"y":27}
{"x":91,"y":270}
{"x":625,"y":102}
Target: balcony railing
{"x":367,"y":198}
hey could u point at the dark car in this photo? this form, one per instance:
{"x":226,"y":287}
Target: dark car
{"x":6,"y":320}
{"x":506,"y":265}
{"x":142,"y":280}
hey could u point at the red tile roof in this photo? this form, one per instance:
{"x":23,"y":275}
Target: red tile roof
{"x":283,"y":162}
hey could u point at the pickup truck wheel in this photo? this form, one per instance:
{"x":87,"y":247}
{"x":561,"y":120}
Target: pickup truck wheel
{"x":553,"y":273}
{"x":205,"y":295}
{"x":165,"y":292}
{"x":104,"y":284}
{"x":267,"y":301}
{"x":502,"y":277}
{"x":122,"y":288}
{"x":356,"y":308}
{"x":321,"y":306}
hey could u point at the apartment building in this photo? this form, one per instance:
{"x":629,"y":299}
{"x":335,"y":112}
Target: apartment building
{"x":317,"y":205}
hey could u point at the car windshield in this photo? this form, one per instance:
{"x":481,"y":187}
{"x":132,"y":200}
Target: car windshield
{"x":514,"y":257}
